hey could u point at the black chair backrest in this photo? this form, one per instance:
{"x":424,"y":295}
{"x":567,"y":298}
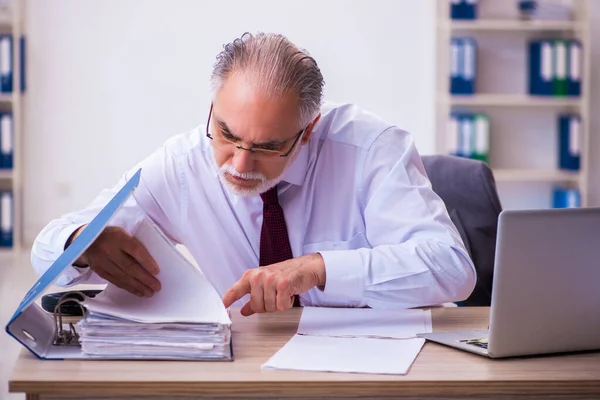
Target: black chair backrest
{"x":468,"y":189}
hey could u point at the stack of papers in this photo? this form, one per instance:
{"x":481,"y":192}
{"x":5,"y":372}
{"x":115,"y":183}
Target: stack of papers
{"x":358,"y":340}
{"x":186,"y":319}
{"x":104,"y":336}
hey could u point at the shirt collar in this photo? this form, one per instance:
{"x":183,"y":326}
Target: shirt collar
{"x":296,"y":172}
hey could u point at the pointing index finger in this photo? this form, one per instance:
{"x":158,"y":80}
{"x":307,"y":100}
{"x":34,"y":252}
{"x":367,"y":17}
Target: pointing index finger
{"x":236,"y":292}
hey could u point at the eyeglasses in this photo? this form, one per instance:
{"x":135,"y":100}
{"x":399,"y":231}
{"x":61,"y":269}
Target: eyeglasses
{"x":259,"y":151}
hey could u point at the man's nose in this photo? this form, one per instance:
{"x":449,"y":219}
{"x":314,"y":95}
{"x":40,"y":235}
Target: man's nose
{"x":243,"y":160}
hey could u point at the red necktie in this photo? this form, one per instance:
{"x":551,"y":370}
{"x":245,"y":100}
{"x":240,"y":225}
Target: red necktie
{"x":274,"y":240}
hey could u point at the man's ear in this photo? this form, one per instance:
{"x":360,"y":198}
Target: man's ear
{"x":309,"y":130}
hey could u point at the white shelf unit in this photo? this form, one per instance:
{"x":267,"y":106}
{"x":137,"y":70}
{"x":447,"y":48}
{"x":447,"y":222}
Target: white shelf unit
{"x":523,"y":134}
{"x":534,"y":175}
{"x":11,"y":22}
{"x":511,"y":100}
{"x":511,"y":25}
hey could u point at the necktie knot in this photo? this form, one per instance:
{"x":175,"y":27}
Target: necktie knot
{"x":270,"y":196}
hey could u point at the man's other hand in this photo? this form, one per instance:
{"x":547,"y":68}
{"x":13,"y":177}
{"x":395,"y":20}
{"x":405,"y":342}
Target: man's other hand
{"x":272,"y":287}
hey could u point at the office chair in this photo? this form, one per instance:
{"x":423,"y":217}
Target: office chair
{"x":468,"y":189}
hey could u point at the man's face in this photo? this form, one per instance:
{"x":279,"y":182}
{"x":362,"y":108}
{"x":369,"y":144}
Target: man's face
{"x":245,"y":116}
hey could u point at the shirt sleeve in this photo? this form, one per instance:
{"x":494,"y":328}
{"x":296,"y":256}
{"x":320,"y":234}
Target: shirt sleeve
{"x":154,"y":199}
{"x":413,"y":254}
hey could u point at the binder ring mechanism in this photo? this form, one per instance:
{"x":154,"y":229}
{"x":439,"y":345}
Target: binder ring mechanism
{"x":67,"y":337}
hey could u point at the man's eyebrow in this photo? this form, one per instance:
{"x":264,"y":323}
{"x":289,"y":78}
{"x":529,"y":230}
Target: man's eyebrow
{"x":225,"y":128}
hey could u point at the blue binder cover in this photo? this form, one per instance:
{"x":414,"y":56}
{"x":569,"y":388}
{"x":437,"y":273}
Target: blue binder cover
{"x":463,"y":66}
{"x":575,"y":70}
{"x":469,"y":9}
{"x":569,"y":142}
{"x":456,"y":9}
{"x":6,"y":141}
{"x":22,"y":62}
{"x":33,"y":327}
{"x":6,"y":219}
{"x":469,"y":65}
{"x":455,"y":74}
{"x":564,"y":197}
{"x":463,"y":9}
{"x":6,"y":64}
{"x":540,"y":68}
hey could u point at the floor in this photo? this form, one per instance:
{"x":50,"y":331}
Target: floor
{"x":16,"y":277}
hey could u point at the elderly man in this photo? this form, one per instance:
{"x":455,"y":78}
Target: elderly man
{"x":330,"y":201}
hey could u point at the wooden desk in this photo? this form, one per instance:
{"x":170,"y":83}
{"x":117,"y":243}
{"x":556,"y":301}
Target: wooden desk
{"x":438,"y":372}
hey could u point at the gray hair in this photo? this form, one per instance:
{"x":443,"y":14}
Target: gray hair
{"x":276,"y":66}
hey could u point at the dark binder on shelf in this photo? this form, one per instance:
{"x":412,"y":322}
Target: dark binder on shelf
{"x":463,"y":69}
{"x":22,"y":60}
{"x":6,"y":64}
{"x":6,"y":141}
{"x":569,"y":142}
{"x":470,"y":135}
{"x":575,"y":70}
{"x":541,"y":68}
{"x":185,"y":320}
{"x":463,"y":9}
{"x":469,"y":66}
{"x":6,"y":219}
{"x":566,"y":197}
{"x":455,"y":74}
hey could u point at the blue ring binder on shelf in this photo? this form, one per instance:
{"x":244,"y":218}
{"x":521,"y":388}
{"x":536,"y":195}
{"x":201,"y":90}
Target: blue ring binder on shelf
{"x":44,"y":334}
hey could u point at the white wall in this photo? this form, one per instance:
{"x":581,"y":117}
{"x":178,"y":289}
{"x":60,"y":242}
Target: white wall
{"x":109,"y":80}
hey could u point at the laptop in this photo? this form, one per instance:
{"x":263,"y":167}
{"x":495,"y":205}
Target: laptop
{"x":546,"y":288}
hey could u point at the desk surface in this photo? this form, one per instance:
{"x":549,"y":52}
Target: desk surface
{"x":438,"y":370}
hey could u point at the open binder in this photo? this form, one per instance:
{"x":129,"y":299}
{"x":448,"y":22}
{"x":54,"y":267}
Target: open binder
{"x":185,"y":320}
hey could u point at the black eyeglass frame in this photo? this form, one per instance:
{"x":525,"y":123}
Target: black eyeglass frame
{"x":252,"y":149}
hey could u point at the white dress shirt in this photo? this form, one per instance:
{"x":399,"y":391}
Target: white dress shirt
{"x":357,"y":193}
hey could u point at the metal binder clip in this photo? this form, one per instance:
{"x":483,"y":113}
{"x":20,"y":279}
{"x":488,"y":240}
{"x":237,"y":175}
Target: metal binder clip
{"x":66,"y":337}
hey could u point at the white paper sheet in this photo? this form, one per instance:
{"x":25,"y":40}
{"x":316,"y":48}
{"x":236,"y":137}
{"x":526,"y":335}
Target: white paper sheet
{"x":357,"y":355}
{"x":185,"y":295}
{"x":364,"y":322}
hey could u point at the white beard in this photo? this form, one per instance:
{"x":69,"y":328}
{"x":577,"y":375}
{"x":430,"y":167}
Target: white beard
{"x":264,"y":184}
{"x":262,"y":187}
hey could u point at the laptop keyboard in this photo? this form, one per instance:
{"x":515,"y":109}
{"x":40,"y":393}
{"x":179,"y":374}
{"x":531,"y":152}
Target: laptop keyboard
{"x":481,"y":342}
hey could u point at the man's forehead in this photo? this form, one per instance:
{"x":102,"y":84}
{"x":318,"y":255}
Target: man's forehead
{"x":271,"y":120}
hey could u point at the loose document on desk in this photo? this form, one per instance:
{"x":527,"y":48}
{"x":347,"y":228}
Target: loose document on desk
{"x":359,"y":340}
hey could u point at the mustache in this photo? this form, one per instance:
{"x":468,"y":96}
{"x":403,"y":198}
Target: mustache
{"x":228,"y":168}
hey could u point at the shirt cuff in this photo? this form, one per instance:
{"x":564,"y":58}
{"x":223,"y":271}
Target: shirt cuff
{"x":64,"y":235}
{"x":71,"y":275}
{"x":345,"y":274}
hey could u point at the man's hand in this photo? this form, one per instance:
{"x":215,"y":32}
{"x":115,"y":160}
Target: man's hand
{"x":121,"y":259}
{"x":272,"y":288}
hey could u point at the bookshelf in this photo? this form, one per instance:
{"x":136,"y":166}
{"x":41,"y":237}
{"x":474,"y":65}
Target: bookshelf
{"x":523,"y":134}
{"x":11,"y":23}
